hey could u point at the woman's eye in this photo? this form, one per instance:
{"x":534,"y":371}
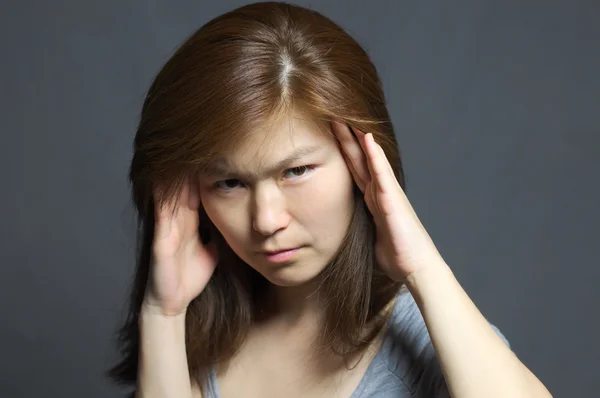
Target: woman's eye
{"x":295,"y":172}
{"x":227,"y":185}
{"x":299,"y":170}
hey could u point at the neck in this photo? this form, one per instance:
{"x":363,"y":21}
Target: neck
{"x":294,"y":306}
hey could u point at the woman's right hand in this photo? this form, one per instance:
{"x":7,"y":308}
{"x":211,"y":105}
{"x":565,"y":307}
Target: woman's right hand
{"x":181,"y":264}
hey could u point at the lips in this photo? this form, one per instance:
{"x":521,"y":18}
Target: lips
{"x":280,"y":250}
{"x":281,"y":256}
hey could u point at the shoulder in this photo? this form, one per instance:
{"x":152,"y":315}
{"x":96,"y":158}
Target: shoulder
{"x":407,"y":351}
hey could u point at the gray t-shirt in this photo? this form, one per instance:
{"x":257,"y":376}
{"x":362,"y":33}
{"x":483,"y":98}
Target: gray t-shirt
{"x":404,"y":367}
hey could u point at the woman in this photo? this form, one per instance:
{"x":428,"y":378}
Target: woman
{"x":267,"y":131}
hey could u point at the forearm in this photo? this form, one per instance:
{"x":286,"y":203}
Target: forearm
{"x":163,"y":369}
{"x":474,"y":359}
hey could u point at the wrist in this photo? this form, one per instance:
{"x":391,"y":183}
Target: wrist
{"x":425,"y":276}
{"x":152,"y":310}
{"x":152,"y":322}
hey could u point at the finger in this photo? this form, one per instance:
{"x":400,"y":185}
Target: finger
{"x":361,"y":137}
{"x":353,"y":150}
{"x":163,"y":216}
{"x":358,"y":133}
{"x":376,"y":161}
{"x":387,"y":163}
{"x":187,"y":211}
{"x":174,"y":214}
{"x":390,"y":177}
{"x":361,"y":185}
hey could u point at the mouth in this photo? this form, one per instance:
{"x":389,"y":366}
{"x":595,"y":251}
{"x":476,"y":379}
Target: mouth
{"x":281,"y":256}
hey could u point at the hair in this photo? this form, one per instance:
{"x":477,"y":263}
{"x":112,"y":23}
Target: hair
{"x":230,"y":77}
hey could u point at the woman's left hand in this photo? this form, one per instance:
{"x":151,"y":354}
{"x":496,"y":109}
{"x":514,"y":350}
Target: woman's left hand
{"x":402,"y":246}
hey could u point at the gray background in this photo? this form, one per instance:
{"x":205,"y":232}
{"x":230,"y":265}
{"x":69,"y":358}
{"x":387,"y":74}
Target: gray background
{"x":496,"y":107}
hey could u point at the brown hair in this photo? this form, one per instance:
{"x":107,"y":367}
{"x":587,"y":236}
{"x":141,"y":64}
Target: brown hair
{"x":230,"y":77}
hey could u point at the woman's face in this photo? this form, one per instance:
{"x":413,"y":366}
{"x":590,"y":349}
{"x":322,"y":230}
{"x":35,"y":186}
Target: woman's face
{"x":259,"y":204}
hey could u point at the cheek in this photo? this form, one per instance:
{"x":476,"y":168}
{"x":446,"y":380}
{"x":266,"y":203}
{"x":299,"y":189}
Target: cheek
{"x":227,"y":222}
{"x":329,"y":206}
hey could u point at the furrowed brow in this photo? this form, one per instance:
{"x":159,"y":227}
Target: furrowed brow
{"x":222,"y":168}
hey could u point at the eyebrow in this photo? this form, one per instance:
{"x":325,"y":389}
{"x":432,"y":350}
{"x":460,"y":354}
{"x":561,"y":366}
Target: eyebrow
{"x":224,"y":168}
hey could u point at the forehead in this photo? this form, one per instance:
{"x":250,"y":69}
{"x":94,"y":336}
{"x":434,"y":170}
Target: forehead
{"x":274,"y":147}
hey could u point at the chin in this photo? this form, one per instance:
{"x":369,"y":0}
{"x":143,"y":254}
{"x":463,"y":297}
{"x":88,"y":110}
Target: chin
{"x":286,"y":282}
{"x":290,"y":275}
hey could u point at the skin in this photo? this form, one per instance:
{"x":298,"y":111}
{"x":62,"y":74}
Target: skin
{"x":474,"y":360}
{"x":282,"y":208}
{"x":309,"y":202}
{"x":306,"y":203}
{"x":273,"y":211}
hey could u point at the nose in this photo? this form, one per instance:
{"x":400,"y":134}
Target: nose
{"x":269,"y":214}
